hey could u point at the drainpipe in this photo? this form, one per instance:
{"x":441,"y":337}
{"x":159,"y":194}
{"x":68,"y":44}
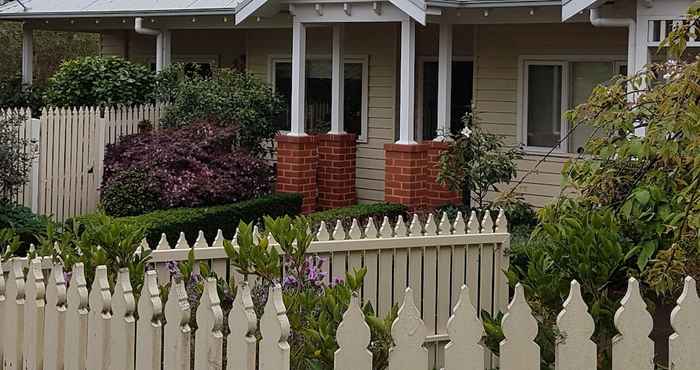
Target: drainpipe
{"x":628,"y":23}
{"x":140,"y":29}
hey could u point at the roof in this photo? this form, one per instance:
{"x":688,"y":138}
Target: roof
{"x":77,"y":8}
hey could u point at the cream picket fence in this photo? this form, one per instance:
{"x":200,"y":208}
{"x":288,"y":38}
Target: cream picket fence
{"x":49,"y":324}
{"x":68,"y":145}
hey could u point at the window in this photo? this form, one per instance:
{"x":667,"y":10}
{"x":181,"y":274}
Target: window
{"x":550,"y":89}
{"x":318,"y":95}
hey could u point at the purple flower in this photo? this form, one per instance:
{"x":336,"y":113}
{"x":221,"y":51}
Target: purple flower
{"x":337,"y":280}
{"x":289,"y":281}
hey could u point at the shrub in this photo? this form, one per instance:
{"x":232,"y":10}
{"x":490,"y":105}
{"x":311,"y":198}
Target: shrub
{"x":210,"y":219}
{"x":362,"y":212}
{"x":14,"y":94}
{"x":100,"y":81}
{"x":14,"y":161}
{"x":25,"y":224}
{"x":186,"y":167}
{"x":228,"y":98}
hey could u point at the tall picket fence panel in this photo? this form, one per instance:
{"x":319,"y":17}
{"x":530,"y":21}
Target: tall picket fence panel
{"x":132,"y":326}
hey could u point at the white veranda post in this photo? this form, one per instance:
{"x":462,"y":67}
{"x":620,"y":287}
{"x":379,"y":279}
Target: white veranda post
{"x":27,"y":54}
{"x":444,"y":82}
{"x":298,"y":77}
{"x":338,"y":82}
{"x":408,"y":56}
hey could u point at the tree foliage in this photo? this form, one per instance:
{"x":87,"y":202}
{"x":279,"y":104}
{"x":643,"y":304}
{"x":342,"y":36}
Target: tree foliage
{"x":14,"y":160}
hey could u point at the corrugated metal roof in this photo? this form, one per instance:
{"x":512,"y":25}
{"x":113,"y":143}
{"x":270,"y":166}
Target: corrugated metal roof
{"x":36,"y":8}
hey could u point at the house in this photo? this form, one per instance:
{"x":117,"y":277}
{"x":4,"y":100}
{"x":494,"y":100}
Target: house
{"x":383,"y":80}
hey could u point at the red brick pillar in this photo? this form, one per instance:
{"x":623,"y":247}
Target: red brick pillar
{"x":435,"y":194}
{"x":336,"y":170}
{"x":297,"y":160}
{"x":404,"y":179}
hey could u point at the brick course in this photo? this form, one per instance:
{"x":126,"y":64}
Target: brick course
{"x":435,"y":194}
{"x":297,"y":162}
{"x":336,"y":170}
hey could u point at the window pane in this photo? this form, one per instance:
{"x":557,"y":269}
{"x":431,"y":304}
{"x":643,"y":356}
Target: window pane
{"x":353,"y":98}
{"x":283,"y":87}
{"x":461,"y":99}
{"x":585,"y":76}
{"x":544,"y":105}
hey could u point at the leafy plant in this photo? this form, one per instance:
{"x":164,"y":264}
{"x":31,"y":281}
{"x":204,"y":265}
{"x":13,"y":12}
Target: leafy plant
{"x":14,"y":160}
{"x":15,"y":94}
{"x":25,"y":224}
{"x":475,"y":162}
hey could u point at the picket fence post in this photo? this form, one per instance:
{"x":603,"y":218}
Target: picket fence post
{"x":176,"y":341}
{"x":55,"y":324}
{"x":409,"y":332}
{"x":464,"y":351}
{"x":242,"y":322}
{"x":14,"y":316}
{"x":683,"y":344}
{"x":149,"y":326}
{"x":574,"y":348}
{"x":353,"y":337}
{"x":34,"y":311}
{"x":76,"y":333}
{"x":632,"y":348}
{"x":274,"y":327}
{"x":209,"y":337}
{"x":519,"y":350}
{"x":123,"y":326}
{"x":99,"y":321}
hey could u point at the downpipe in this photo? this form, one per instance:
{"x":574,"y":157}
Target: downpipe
{"x":141,"y":30}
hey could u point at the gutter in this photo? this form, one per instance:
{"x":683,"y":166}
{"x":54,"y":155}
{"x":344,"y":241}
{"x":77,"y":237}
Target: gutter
{"x":630,"y":24}
{"x":160,"y":35}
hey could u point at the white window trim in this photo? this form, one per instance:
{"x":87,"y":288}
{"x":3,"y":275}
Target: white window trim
{"x":419,"y":85}
{"x":357,"y":59}
{"x":565,"y":61}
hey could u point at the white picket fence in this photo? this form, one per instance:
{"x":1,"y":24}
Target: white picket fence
{"x":69,"y":148}
{"x":49,"y":324}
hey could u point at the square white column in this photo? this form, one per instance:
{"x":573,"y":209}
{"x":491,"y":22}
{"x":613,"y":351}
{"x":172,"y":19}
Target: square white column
{"x":337,"y":82}
{"x":444,"y":101}
{"x":298,"y":78}
{"x":27,"y":54}
{"x":408,"y":82}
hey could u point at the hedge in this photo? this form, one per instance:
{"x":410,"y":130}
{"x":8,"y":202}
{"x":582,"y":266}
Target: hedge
{"x":362,"y":212}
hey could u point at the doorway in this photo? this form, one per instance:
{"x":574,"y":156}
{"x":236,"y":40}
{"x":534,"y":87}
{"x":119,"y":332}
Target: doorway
{"x":462,"y":74}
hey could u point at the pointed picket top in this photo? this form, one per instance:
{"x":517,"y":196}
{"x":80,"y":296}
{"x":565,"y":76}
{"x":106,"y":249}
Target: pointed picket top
{"x":32,"y":249}
{"x":355,"y":231}
{"x":256,"y":234}
{"x":501,"y":222}
{"x":400,"y":229}
{"x":464,"y":351}
{"x":473,"y":224}
{"x":177,"y":332}
{"x":339,"y":231}
{"x":201,"y":241}
{"x":234,"y":240}
{"x":163,"y":243}
{"x":445,"y":228}
{"x":459,"y":227}
{"x":322,"y":235}
{"x":242,"y":323}
{"x":632,"y":348}
{"x":385,"y":231}
{"x":683,"y":343}
{"x":430,"y":226}
{"x":353,"y":337}
{"x":518,"y":349}
{"x":56,"y":248}
{"x":210,"y":324}
{"x":275,"y":330}
{"x":408,"y":332}
{"x":487,"y":223}
{"x":100,"y":297}
{"x":219,"y":239}
{"x":574,"y":348}
{"x":182,"y":242}
{"x":144,"y":245}
{"x":371,"y":229}
{"x":416,"y":228}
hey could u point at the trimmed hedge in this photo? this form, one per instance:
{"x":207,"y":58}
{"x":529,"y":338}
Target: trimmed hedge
{"x":362,"y":212}
{"x":209,"y":219}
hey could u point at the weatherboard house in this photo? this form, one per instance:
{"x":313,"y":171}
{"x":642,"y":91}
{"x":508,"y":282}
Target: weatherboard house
{"x":373,"y":87}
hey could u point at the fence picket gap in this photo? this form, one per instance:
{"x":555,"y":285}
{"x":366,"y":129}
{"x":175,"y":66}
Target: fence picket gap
{"x":176,"y":341}
{"x":34,"y":310}
{"x":408,"y":332}
{"x":574,"y":348}
{"x":519,"y":350}
{"x":149,"y":326}
{"x":55,"y":319}
{"x":14,"y":316}
{"x":274,"y":327}
{"x":464,"y":351}
{"x":632,"y":348}
{"x":76,"y":337}
{"x":209,"y":338}
{"x":683,"y":343}
{"x":242,"y":322}
{"x":353,"y":337}
{"x":99,"y":320}
{"x":123,"y":326}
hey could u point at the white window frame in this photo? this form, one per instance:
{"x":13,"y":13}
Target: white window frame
{"x":355,"y":59}
{"x":565,"y":62}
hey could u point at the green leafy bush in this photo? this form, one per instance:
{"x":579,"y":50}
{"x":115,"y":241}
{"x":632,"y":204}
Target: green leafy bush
{"x":100,"y":81}
{"x":362,"y":212}
{"x":228,"y":98}
{"x":15,"y":94}
{"x":130,"y":192}
{"x":14,"y":161}
{"x":25,"y":224}
{"x":210,"y":219}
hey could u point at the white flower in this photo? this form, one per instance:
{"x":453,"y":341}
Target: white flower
{"x":466,"y":131}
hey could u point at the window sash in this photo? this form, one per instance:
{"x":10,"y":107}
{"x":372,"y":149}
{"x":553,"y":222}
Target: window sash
{"x":563,"y":103}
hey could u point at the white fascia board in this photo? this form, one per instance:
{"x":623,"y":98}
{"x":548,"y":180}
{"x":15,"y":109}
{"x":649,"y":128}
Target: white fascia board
{"x":572,"y":7}
{"x":412,"y":10}
{"x":248,"y":9}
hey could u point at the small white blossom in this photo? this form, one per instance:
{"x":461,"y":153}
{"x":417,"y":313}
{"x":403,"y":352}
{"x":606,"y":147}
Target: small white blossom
{"x":466,"y":131}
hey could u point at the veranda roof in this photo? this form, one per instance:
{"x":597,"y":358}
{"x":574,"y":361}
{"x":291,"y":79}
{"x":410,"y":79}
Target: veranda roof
{"x":91,"y":8}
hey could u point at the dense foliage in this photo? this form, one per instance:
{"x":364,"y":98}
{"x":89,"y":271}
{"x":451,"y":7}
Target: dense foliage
{"x":314,"y":308}
{"x":193,"y":166}
{"x":475,"y":162}
{"x":25,"y":224}
{"x":361,"y":212}
{"x":100,"y":81}
{"x":14,"y":94}
{"x":14,"y":160}
{"x":228,"y":98}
